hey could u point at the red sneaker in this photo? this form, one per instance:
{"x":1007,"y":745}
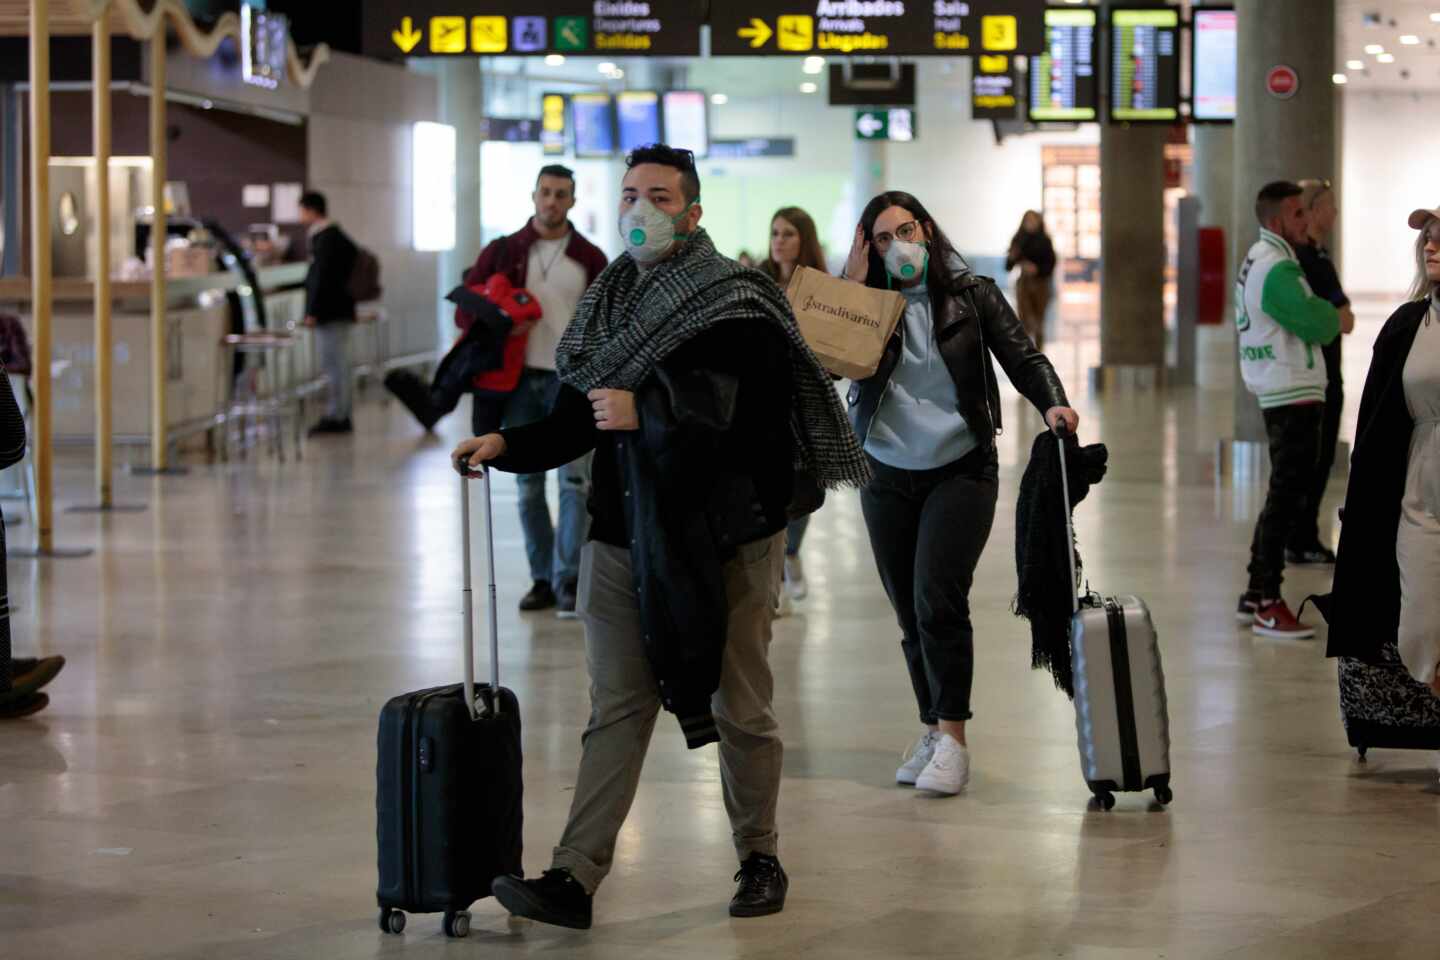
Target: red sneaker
{"x":1274,"y":619}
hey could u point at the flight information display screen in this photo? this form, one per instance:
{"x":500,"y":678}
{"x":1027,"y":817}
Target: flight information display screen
{"x":594,"y":124}
{"x":639,"y":114}
{"x":1145,"y":65}
{"x":1063,"y":82}
{"x":687,"y":122}
{"x":1212,"y":64}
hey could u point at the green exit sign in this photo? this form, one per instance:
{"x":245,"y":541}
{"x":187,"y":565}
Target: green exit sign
{"x":895,"y":123}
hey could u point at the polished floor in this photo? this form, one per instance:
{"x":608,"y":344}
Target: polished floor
{"x":203,"y":785}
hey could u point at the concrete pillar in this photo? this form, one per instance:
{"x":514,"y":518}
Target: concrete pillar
{"x":868,"y":174}
{"x":1132,"y":245}
{"x":462,"y":106}
{"x":1214,"y":176}
{"x":1280,"y":139}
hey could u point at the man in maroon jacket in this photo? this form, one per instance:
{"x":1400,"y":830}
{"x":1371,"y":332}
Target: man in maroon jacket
{"x":549,"y":258}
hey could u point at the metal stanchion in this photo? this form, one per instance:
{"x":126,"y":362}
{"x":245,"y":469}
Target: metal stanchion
{"x":104,"y":347}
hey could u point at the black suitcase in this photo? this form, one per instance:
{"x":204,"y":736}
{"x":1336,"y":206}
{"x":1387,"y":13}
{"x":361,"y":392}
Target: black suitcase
{"x":449,"y":789}
{"x":1382,"y":706}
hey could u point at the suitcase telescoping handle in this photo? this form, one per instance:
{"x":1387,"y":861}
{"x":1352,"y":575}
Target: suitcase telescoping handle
{"x":1061,"y":431}
{"x":465,"y":478}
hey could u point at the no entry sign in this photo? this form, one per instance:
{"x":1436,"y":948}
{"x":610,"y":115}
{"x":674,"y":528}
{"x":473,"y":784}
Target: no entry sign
{"x":1282,"y":82}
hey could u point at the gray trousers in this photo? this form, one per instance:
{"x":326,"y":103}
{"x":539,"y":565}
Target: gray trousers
{"x":624,"y":703}
{"x":332,"y":348}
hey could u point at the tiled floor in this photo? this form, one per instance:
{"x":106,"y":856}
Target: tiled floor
{"x":203,"y":786}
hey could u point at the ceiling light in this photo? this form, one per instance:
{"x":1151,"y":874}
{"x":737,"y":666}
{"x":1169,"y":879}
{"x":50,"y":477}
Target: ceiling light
{"x":1435,"y":18}
{"x":808,"y":87}
{"x":814,"y":64}
{"x":1355,"y":64}
{"x":1386,"y":58}
{"x":1340,"y":79}
{"x":609,"y":68}
{"x":1373,"y":49}
{"x":719,"y":99}
{"x":617,"y":74}
{"x":555,"y":60}
{"x":1410,"y":40}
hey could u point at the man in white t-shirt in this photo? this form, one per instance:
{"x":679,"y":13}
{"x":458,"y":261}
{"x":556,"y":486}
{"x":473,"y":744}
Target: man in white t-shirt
{"x":549,"y":258}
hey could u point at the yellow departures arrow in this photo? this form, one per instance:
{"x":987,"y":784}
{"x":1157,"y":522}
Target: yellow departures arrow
{"x":407,"y":36}
{"x":758,"y":33}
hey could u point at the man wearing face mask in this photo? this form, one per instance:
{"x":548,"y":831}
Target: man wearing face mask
{"x":708,"y":414}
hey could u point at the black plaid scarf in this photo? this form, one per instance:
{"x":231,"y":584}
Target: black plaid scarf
{"x":629,"y":321}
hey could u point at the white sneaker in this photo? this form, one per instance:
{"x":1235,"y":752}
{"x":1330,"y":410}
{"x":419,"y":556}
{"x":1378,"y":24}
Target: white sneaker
{"x":795,"y":578}
{"x":949,"y":769}
{"x":918,"y":758}
{"x":784,"y":606}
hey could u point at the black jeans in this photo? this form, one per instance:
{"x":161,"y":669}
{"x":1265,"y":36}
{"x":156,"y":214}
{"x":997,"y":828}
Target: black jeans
{"x":1306,"y":532}
{"x":928,"y":529}
{"x":1294,"y":433}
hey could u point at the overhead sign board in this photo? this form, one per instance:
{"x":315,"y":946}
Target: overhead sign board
{"x":395,"y":29}
{"x":895,"y":123}
{"x":894,"y":28}
{"x":993,"y":92}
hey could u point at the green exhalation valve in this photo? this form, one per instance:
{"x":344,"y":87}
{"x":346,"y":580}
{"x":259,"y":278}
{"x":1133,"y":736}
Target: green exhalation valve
{"x":907,"y":271}
{"x":637,"y":236}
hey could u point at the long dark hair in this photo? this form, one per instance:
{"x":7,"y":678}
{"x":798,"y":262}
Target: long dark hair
{"x":940,"y":278}
{"x":811,"y":255}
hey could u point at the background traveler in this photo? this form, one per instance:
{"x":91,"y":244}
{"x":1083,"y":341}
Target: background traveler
{"x":928,"y":420}
{"x":550,"y":258}
{"x":678,"y":580}
{"x":1032,"y":250}
{"x":794,"y":242}
{"x":1281,"y":322}
{"x":1319,"y":199}
{"x":329,"y":307}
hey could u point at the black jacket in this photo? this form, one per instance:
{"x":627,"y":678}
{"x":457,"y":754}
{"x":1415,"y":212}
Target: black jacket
{"x":1323,"y":278}
{"x":709,"y":470}
{"x":1364,"y":606}
{"x":977,"y":322}
{"x":327,"y":284}
{"x":1035,"y":247}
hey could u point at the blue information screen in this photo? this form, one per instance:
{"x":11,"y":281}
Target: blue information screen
{"x":594,"y":124}
{"x":639,"y":113}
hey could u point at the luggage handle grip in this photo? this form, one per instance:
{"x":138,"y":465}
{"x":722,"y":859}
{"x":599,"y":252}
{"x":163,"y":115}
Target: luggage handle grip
{"x":469,"y":614}
{"x":1062,"y":430}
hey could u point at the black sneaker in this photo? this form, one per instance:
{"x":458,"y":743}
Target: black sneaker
{"x":540,"y":597}
{"x":556,"y":898}
{"x":763,"y":885}
{"x":565,"y":601}
{"x":1316,"y":555}
{"x":29,"y":675}
{"x":1249,"y":603}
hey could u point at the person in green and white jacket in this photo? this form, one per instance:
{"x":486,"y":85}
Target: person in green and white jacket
{"x":1283,"y":325}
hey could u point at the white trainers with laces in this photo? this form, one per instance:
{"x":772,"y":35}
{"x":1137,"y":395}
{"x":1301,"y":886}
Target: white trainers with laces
{"x":795,"y":578}
{"x":949,"y":769}
{"x":918,"y":758}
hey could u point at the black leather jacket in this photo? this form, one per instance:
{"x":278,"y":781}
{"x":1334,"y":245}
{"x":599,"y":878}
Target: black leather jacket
{"x":977,"y":323}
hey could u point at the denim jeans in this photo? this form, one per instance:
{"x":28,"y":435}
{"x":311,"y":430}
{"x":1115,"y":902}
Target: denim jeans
{"x":1294,"y":433}
{"x":928,"y":529}
{"x":624,"y":702}
{"x":552,"y":550}
{"x":332,"y":348}
{"x":795,"y":535}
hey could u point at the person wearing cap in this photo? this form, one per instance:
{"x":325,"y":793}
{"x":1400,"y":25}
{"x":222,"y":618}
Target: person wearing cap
{"x":1305,"y":545}
{"x":1281,"y":323}
{"x":1389,"y":560}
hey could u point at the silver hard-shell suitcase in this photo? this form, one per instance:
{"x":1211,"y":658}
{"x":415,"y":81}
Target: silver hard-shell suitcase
{"x":1121,"y":718}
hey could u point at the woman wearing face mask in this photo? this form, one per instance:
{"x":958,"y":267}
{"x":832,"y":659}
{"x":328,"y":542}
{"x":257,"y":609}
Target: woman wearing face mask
{"x":794,"y":242}
{"x":928,"y":420}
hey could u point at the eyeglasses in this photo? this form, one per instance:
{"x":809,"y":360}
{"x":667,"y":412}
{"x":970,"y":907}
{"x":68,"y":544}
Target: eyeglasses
{"x":908,"y":232}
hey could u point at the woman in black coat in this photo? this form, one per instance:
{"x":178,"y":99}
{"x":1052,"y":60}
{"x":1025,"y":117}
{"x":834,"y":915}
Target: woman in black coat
{"x":1384,"y":592}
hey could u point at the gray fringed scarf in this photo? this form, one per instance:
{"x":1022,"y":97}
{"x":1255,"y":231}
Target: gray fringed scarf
{"x":629,"y":321}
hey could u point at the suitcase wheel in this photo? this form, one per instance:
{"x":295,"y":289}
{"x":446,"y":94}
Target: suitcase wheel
{"x":457,"y":924}
{"x":1163,"y":796}
{"x":1106,"y":800}
{"x":392,"y":921}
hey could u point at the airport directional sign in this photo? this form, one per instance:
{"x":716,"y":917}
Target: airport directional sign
{"x":886,"y":123}
{"x":892,"y":28}
{"x":399,"y":29}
